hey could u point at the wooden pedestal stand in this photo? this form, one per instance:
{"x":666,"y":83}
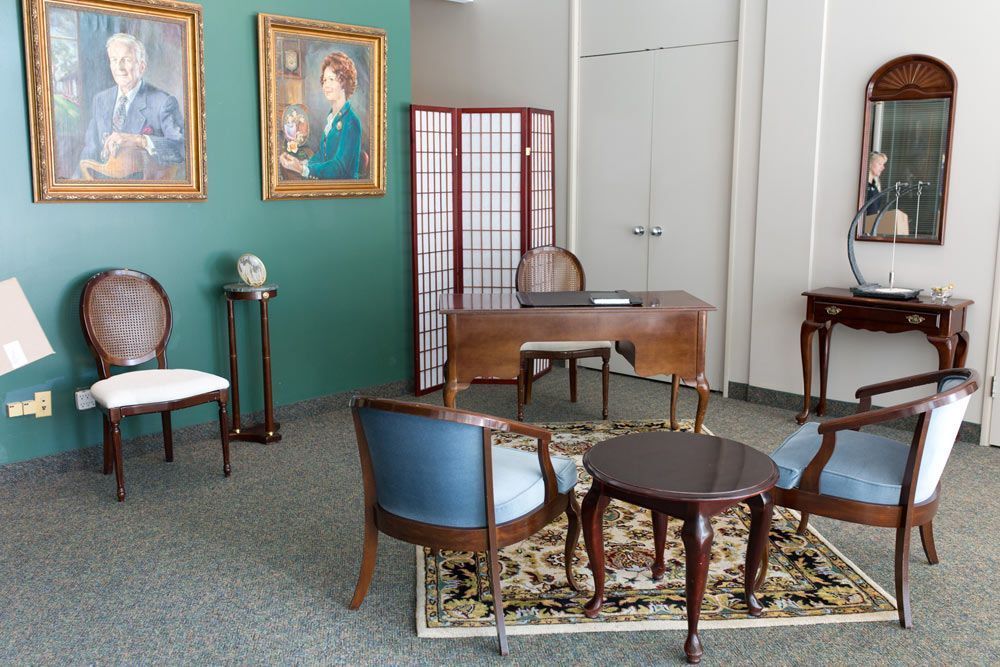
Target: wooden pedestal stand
{"x":268,"y":431}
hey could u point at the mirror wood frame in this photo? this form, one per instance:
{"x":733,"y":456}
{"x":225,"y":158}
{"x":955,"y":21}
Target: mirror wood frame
{"x":910,"y":77}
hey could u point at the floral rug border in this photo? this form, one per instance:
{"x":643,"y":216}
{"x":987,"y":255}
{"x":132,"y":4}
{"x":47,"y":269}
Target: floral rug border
{"x":582,"y":624}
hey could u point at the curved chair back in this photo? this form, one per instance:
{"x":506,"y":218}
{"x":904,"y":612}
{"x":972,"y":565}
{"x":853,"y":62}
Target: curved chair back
{"x":550,"y":269}
{"x":942,"y":429}
{"x":126,"y":319}
{"x":424,"y":468}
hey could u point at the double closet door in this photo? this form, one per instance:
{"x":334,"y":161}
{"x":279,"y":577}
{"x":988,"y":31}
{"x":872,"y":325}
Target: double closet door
{"x":655,"y":167}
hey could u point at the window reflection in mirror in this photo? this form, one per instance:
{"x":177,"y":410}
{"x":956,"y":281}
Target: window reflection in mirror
{"x":908,"y":121}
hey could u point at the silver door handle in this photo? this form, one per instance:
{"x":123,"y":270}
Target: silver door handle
{"x":638,"y":230}
{"x":656,"y":231}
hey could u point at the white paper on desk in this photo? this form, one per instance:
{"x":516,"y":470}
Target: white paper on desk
{"x":21,"y":335}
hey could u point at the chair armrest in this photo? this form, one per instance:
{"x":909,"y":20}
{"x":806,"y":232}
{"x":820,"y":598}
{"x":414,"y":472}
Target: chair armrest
{"x":544,"y":437}
{"x":433,"y":412}
{"x":908,"y":409}
{"x":903,"y":383}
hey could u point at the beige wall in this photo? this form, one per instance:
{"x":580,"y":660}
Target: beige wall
{"x":817,"y":61}
{"x":509,"y":53}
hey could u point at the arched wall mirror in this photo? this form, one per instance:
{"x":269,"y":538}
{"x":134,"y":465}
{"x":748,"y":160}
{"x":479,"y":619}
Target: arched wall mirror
{"x":906,"y":151}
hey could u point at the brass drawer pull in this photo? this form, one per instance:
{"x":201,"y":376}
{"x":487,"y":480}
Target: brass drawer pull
{"x":914,"y":319}
{"x":832,"y":310}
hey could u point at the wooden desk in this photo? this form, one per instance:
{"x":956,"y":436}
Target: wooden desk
{"x":664,"y":335}
{"x":942,"y":323}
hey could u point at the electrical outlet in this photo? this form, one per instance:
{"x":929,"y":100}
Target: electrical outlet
{"x":43,"y":404}
{"x":84,"y":399}
{"x":40,"y":406}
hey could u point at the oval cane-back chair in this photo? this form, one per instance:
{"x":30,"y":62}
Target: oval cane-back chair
{"x":433,"y":477}
{"x":554,"y":269}
{"x":126,"y":320}
{"x":833,"y":469}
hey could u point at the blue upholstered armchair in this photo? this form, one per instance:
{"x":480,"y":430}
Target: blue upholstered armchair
{"x":833,"y":469}
{"x":433,"y":477}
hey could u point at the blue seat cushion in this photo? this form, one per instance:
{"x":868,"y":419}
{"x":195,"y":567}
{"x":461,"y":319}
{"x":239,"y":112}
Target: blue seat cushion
{"x":518,"y":485}
{"x":864,"y":467}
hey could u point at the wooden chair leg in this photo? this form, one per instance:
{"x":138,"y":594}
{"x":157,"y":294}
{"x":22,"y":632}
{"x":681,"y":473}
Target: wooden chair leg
{"x":224,"y":432}
{"x":109,"y":457}
{"x":803,"y":524}
{"x":168,"y":437}
{"x":529,"y":376}
{"x":605,"y":379}
{"x":903,"y":575}
{"x":927,"y":539}
{"x":367,"y":559}
{"x":520,"y":393}
{"x":572,"y":380}
{"x":494,"y":563}
{"x":572,"y":536}
{"x":116,"y":444}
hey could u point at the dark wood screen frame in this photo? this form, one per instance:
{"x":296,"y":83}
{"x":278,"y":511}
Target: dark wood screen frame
{"x":910,"y":77}
{"x":528,"y":236}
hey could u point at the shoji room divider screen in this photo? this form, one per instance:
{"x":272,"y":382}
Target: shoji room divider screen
{"x":483,"y":189}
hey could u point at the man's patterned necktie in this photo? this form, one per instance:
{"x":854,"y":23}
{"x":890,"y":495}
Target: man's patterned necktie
{"x":118,"y":120}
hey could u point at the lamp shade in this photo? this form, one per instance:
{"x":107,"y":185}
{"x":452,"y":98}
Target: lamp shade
{"x":22,"y":340}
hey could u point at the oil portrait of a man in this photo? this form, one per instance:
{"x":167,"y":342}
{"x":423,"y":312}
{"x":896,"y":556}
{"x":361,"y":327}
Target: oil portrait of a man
{"x":125,"y":102}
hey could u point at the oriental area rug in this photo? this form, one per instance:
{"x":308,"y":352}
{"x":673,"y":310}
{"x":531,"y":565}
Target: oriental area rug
{"x":808,"y":580}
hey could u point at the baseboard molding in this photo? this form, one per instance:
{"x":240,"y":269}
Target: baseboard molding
{"x":969,"y":432}
{"x":91,"y":456}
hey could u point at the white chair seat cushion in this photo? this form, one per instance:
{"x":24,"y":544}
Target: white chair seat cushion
{"x":566,"y":346}
{"x":155,"y":385}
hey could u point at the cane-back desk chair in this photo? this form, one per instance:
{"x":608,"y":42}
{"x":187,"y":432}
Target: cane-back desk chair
{"x":127,"y":321}
{"x":432,"y":477}
{"x":553,"y":269}
{"x":833,"y":469}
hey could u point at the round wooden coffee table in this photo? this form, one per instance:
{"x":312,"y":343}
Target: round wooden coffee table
{"x":689,"y":476}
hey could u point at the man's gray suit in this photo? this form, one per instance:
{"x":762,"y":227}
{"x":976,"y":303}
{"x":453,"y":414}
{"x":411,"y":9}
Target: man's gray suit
{"x":153,"y":113}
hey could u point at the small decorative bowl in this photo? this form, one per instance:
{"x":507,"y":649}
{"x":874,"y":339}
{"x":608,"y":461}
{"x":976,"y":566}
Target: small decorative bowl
{"x":942,"y":292}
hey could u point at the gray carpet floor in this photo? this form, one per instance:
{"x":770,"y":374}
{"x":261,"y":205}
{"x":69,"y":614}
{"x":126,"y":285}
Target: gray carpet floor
{"x":195,"y":568}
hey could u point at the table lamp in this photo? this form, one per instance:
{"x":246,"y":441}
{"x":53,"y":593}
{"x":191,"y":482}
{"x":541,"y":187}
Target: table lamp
{"x":22,"y":340}
{"x":865,"y":288}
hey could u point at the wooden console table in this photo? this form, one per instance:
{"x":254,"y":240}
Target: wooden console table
{"x":942,"y":323}
{"x":666,"y":334}
{"x":267,"y":432}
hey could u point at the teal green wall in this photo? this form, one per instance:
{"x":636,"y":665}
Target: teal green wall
{"x":342,"y":316}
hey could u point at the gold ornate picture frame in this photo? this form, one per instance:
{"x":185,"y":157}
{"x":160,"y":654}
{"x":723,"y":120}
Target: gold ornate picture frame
{"x":116,"y":100}
{"x":323,"y":108}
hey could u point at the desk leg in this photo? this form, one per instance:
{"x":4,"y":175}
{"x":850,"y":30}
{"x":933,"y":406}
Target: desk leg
{"x":233,"y":368}
{"x":805,"y":342}
{"x":825,"y":332}
{"x":697,"y":535}
{"x":594,"y":504}
{"x":761,"y":509}
{"x":945,"y":346}
{"x":675,"y":381}
{"x":961,"y":348}
{"x":701,"y":384}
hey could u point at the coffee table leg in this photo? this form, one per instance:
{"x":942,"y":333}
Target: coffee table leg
{"x":659,"y":542}
{"x":594,"y":504}
{"x":761,"y":507}
{"x":697,"y":535}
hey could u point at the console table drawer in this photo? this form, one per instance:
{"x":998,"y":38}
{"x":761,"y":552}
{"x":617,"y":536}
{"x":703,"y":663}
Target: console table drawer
{"x":863,"y":317}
